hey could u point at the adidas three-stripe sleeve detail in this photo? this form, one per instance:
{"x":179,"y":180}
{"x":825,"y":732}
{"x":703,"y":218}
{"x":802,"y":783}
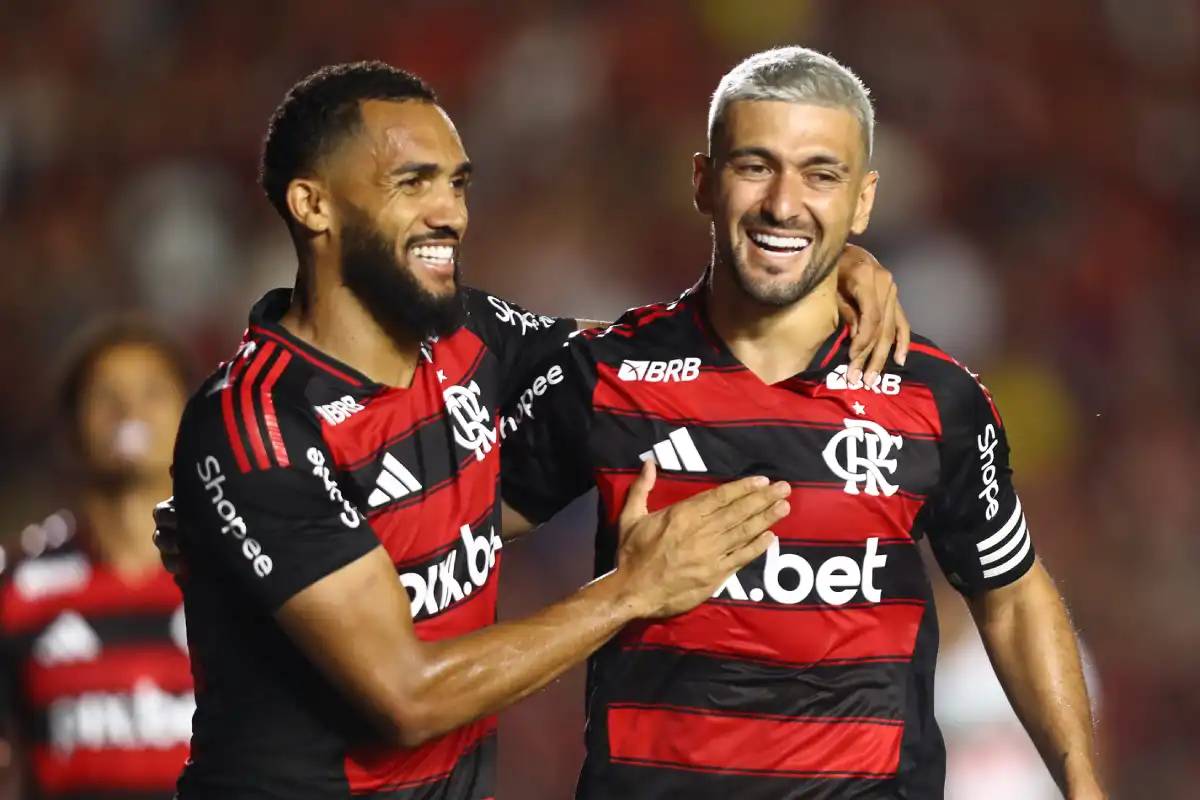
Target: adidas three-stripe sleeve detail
{"x":976,"y":524}
{"x":273,"y":531}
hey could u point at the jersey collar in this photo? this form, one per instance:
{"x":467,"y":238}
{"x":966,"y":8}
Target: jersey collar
{"x":834,"y":350}
{"x":264,"y":324}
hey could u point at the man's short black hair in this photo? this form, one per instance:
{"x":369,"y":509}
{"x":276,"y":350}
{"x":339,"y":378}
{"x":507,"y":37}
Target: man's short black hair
{"x":318,"y":111}
{"x":98,"y":340}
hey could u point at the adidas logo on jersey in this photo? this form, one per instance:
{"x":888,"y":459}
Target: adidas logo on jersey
{"x":677,"y":369}
{"x":677,"y":452}
{"x":339,"y":410}
{"x":68,"y":639}
{"x":393,"y":483}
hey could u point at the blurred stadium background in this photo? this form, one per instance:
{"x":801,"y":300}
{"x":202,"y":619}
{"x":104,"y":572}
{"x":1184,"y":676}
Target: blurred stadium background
{"x":1039,"y":205}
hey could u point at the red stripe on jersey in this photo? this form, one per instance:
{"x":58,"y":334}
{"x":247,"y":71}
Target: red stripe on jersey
{"x":105,"y":593}
{"x":753,"y":745}
{"x":253,"y":433}
{"x":432,"y":519}
{"x":116,"y":670}
{"x":257,"y":331}
{"x":102,"y":771}
{"x":819,"y":633}
{"x":933,"y":352}
{"x":824,"y":513}
{"x":739,"y":399}
{"x":268,"y":405}
{"x":388,"y":769}
{"x":231,"y":424}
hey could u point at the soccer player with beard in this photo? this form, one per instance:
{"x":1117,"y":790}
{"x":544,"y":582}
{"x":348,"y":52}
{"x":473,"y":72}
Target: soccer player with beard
{"x":336,"y":485}
{"x":809,"y":674}
{"x":97,"y":691}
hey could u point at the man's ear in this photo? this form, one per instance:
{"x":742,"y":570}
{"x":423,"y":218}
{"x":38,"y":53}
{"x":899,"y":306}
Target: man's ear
{"x":310,"y":205}
{"x":702,"y":183}
{"x":866,"y":201}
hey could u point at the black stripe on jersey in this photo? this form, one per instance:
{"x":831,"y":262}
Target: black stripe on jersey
{"x":744,"y":422}
{"x":825,"y":692}
{"x":623,"y":781}
{"x":367,"y":460}
{"x":754,"y":449}
{"x":467,"y":781}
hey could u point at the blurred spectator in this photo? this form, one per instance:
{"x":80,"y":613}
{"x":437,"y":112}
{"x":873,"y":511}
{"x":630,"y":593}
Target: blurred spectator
{"x":97,"y":687}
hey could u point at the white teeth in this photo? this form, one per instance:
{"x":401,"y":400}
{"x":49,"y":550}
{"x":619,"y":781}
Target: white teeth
{"x":780,"y":242}
{"x":431,"y":252}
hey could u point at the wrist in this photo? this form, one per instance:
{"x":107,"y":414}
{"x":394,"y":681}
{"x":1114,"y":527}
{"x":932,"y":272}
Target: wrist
{"x":629,"y":598}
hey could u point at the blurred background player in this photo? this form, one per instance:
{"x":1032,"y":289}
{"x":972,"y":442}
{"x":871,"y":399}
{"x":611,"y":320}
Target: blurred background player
{"x":97,"y":692}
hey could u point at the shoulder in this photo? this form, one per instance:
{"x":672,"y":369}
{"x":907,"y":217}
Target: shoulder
{"x":957,"y":391}
{"x":489,"y":314}
{"x":641,"y":330}
{"x":252,"y":403}
{"x":929,"y":364}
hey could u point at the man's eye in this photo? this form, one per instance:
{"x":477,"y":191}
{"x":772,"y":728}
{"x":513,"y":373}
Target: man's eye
{"x":752,"y":169}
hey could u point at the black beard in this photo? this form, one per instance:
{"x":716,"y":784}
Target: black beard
{"x":404,"y":309}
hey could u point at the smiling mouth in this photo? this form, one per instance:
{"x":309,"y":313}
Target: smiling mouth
{"x":437,"y":257}
{"x":783,"y":245}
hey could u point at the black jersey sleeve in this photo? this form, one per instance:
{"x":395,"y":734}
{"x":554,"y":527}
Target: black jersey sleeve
{"x":976,"y":526}
{"x":545,"y":461}
{"x":520,"y":339}
{"x":269,"y":531}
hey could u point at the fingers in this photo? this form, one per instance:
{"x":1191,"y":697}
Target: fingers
{"x":167,"y":545}
{"x":903,"y":334}
{"x":850,"y":314}
{"x":866,"y":298}
{"x":712,"y":501}
{"x":639,"y":494}
{"x":165,"y":511}
{"x":752,"y":514}
{"x":733,"y":561}
{"x":887,"y":335}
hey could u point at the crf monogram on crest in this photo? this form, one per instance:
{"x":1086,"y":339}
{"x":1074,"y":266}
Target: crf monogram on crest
{"x":473,"y":424}
{"x":859,"y":455}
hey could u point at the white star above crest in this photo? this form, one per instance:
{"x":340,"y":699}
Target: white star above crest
{"x":441,"y":376}
{"x":859,"y":408}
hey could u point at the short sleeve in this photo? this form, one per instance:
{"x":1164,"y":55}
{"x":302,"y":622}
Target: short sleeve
{"x":545,"y":458}
{"x":977,"y":527}
{"x":270,"y":532}
{"x":520,"y":339}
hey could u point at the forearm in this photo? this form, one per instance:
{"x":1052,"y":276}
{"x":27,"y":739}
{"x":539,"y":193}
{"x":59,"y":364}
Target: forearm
{"x":1032,"y":646}
{"x":587,"y":324}
{"x":472,"y":676}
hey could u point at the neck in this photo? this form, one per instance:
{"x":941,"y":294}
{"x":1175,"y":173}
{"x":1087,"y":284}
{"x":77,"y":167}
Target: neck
{"x":331,"y":319}
{"x":120,"y":526}
{"x":774,"y":343}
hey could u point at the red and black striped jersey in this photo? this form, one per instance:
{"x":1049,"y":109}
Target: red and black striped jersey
{"x":96,"y":678}
{"x":290,"y":465}
{"x":809,"y":674}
